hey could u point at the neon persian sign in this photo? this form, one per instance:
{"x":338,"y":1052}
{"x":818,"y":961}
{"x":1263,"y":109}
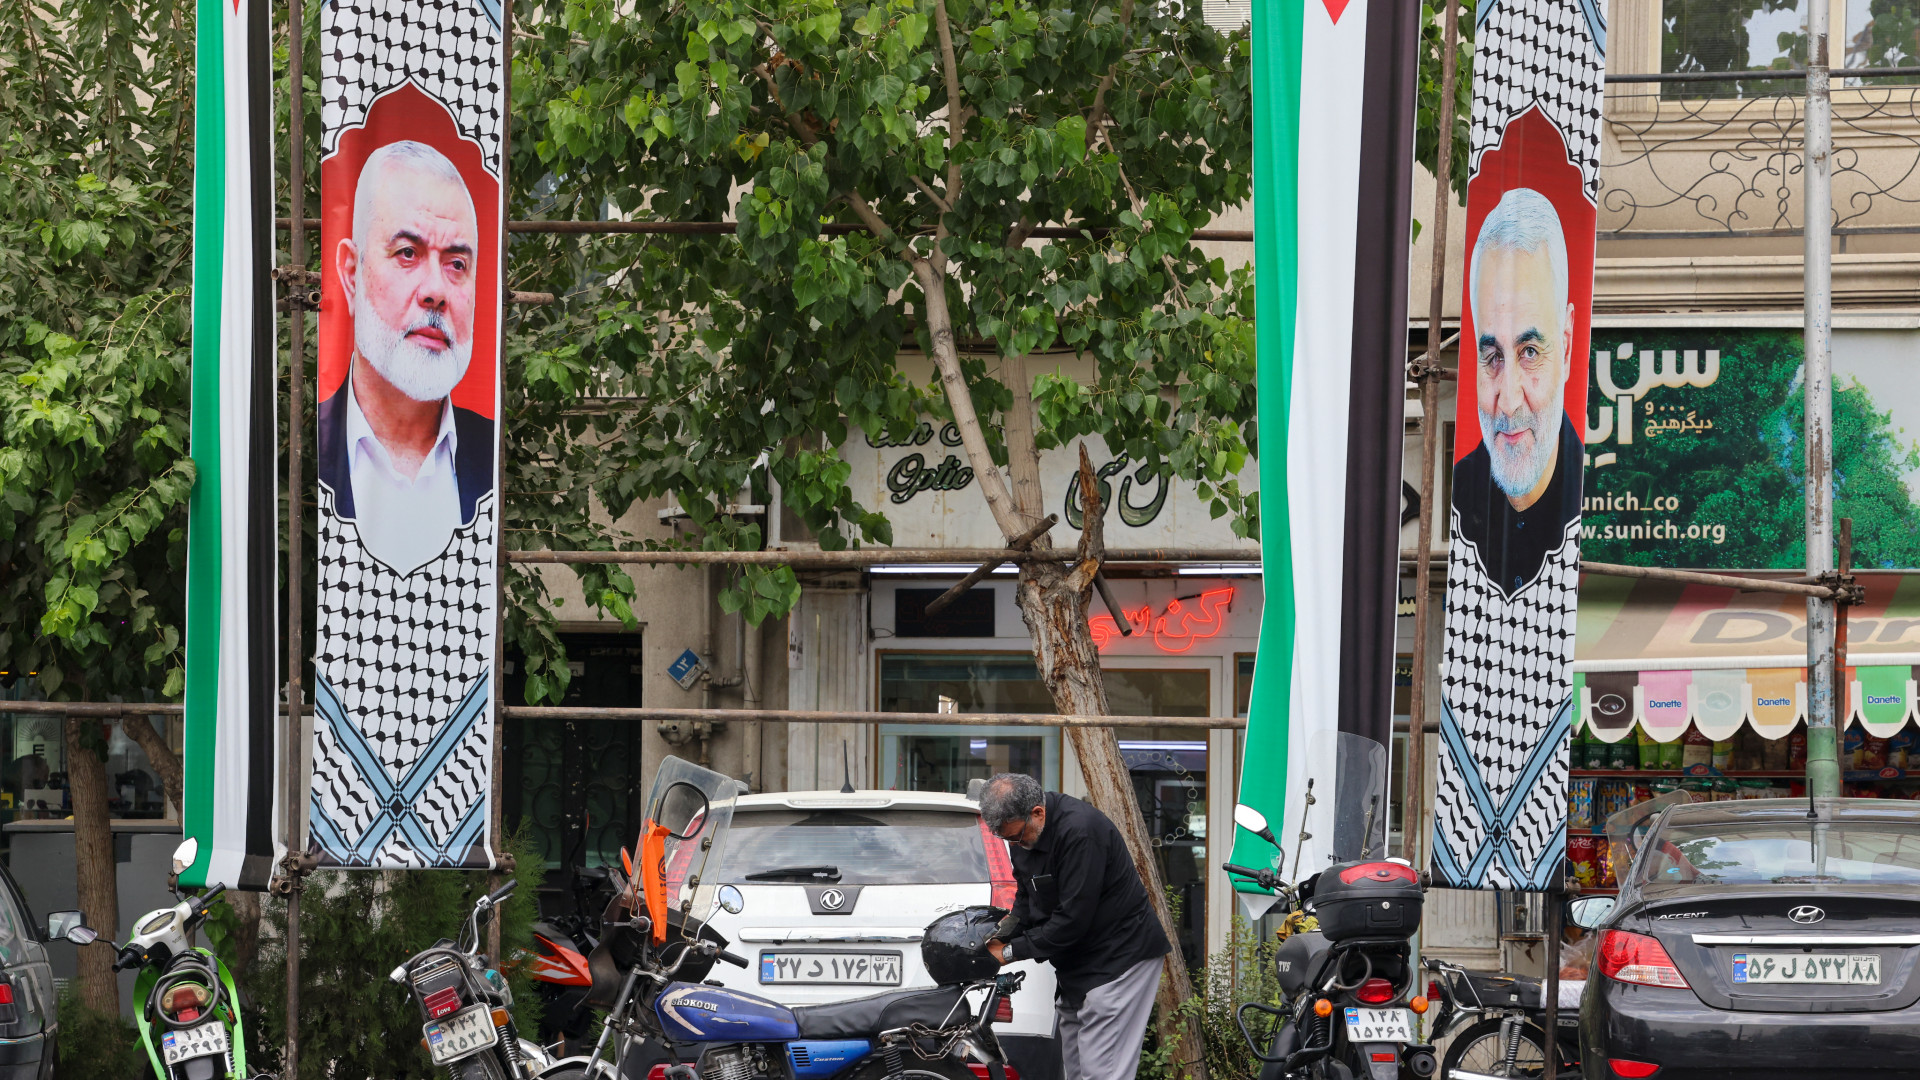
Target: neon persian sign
{"x":1178,"y":627}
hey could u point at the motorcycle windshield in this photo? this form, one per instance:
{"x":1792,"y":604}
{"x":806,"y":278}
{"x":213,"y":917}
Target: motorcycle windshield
{"x":681,"y":840}
{"x":1359,"y":796}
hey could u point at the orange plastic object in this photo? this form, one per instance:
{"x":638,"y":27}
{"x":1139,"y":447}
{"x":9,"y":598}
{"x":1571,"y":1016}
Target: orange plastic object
{"x":1418,"y":1004}
{"x":653,"y":858}
{"x":1323,"y":1007}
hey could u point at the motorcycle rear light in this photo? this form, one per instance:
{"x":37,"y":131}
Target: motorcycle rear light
{"x":1633,"y":1069}
{"x":1384,"y":1056}
{"x":1003,"y":1011}
{"x":1433,"y":990}
{"x":188,"y":1016}
{"x":441,"y":1002}
{"x":980,"y":1071}
{"x":1636,"y":958}
{"x":1375,"y":992}
{"x":1378,"y":871}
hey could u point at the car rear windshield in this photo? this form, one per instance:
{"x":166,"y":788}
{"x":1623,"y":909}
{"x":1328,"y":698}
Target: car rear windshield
{"x":1785,"y":853}
{"x":864,"y":847}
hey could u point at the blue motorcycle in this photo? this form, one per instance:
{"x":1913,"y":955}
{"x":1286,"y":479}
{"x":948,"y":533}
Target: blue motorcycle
{"x":657,"y":947}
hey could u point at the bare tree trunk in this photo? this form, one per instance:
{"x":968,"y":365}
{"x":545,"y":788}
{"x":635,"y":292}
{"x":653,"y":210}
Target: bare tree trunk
{"x":164,"y":760}
{"x":246,"y":944}
{"x":93,"y":863}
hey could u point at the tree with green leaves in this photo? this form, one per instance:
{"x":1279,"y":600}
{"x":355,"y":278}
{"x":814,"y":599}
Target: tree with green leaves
{"x":95,"y":170}
{"x":939,"y":134}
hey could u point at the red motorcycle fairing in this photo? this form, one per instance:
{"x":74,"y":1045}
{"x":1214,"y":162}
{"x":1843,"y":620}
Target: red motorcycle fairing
{"x":559,"y":964}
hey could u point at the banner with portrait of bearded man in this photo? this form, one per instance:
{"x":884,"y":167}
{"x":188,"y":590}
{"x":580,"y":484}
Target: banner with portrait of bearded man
{"x":412,"y":238}
{"x":1514,"y":565}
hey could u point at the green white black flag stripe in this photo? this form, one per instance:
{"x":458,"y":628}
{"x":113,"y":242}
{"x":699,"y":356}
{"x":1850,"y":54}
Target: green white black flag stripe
{"x":231,"y":733}
{"x":1333,"y":140}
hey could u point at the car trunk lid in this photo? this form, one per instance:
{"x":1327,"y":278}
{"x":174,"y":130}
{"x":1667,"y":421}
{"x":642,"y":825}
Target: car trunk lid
{"x":1785,"y":949}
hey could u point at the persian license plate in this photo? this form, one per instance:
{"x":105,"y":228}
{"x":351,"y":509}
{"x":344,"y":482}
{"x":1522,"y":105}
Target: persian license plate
{"x":203,"y":1041}
{"x":856,"y":968}
{"x":460,"y":1035}
{"x":1842,"y":969}
{"x":1379,"y":1025}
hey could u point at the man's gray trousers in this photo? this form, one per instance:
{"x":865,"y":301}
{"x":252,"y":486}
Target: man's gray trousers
{"x":1101,"y":1039}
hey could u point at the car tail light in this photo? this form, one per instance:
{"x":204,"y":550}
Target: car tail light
{"x":441,"y":1002}
{"x":1378,"y":871}
{"x":1003,"y":1010}
{"x":1636,"y":958}
{"x":1375,"y":992}
{"x":999,"y":868}
{"x":1633,"y":1069}
{"x":980,"y":1071}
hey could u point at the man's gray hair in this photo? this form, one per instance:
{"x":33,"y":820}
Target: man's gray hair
{"x":1010,"y":797}
{"x":413,"y":155}
{"x":1524,"y":221}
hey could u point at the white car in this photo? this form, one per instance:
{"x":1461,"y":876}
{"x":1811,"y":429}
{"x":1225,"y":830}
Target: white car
{"x":838,"y":887}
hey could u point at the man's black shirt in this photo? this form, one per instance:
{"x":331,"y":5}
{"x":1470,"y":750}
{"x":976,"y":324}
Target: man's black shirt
{"x":1080,"y":902}
{"x":1514,"y":544}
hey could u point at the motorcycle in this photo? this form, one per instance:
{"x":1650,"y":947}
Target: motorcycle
{"x":1497,"y":1024}
{"x":1349,"y":987}
{"x":467,"y":1007}
{"x":189,"y":1020}
{"x":658,"y":945}
{"x":562,"y":943}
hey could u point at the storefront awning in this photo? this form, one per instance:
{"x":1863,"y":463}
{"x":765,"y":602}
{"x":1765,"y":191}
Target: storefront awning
{"x":1662,"y":656}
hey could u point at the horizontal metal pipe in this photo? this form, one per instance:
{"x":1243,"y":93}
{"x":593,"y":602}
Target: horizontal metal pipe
{"x":1761,"y":73}
{"x":109,"y":709}
{"x":727,"y":228}
{"x":863,"y":557}
{"x":797,"y":716}
{"x":1694,"y":577}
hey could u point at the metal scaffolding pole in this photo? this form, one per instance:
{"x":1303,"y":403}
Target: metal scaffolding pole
{"x":296,"y":424}
{"x":1823,"y":771}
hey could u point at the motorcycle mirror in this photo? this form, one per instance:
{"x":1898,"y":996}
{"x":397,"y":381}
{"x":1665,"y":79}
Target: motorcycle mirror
{"x":186,"y":854}
{"x":730,"y":900}
{"x":1253,"y":821}
{"x":62,"y":924}
{"x":682,"y":811}
{"x":1588,"y":912}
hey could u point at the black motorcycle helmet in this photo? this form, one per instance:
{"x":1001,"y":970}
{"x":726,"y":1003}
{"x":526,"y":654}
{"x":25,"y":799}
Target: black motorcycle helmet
{"x":954,"y":947}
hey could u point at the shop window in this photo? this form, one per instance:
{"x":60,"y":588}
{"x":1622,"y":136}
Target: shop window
{"x":1242,"y":683}
{"x":1168,"y":765}
{"x":34,"y":786}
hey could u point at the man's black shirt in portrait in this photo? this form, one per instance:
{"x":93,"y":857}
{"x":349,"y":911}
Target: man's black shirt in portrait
{"x":1514,"y":544}
{"x":1080,"y":903}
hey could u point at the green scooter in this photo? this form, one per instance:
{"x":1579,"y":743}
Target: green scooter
{"x":190,"y":1017}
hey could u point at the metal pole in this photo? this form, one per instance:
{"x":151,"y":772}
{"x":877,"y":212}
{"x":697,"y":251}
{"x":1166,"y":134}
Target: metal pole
{"x":1842,"y":686}
{"x":1823,"y":771}
{"x":1555,"y":901}
{"x":1412,"y":829}
{"x":296,"y":425}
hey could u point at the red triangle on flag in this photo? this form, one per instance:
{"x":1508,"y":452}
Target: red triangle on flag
{"x":1335,"y":8}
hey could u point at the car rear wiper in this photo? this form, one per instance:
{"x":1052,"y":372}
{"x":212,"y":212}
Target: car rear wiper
{"x":824,"y":873}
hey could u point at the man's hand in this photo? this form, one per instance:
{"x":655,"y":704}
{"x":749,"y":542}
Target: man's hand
{"x":999,"y":950}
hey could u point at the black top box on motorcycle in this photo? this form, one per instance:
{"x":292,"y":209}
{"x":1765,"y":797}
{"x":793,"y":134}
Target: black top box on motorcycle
{"x":1367,"y":900}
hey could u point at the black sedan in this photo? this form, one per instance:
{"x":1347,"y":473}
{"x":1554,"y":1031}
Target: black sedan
{"x":1765,"y":938}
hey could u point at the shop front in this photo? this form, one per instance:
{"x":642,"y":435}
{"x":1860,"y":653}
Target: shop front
{"x":1193,"y":636}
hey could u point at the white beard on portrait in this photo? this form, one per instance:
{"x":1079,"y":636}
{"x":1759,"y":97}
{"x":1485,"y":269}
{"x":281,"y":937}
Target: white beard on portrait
{"x":417,"y":371}
{"x":1516,"y":471}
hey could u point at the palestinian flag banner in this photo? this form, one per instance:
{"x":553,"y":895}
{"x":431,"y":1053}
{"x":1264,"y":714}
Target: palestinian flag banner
{"x":1507,"y":694}
{"x":1334,"y":100}
{"x":232,"y":727}
{"x":412,"y":240}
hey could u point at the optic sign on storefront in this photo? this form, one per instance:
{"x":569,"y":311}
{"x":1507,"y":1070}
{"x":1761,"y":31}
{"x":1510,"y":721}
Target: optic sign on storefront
{"x":925,"y":487}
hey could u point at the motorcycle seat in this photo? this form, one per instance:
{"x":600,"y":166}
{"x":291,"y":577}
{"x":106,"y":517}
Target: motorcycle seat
{"x":865,"y":1017}
{"x":1500,"y":991}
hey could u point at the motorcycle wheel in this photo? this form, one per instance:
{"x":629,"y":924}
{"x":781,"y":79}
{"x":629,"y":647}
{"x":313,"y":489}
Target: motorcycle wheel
{"x":947,"y":1068}
{"x":1480,"y":1049}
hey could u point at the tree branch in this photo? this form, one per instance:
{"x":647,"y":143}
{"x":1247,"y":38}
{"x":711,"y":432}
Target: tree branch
{"x":1093,"y":530}
{"x":159,"y":755}
{"x":805,"y":132}
{"x":957,"y":114}
{"x":1097,"y":117}
{"x":927,"y":189}
{"x":993,"y":486}
{"x":1023,"y":453}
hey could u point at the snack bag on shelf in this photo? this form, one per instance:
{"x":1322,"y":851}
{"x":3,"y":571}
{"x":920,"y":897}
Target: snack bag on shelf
{"x":1595,"y":752}
{"x":1723,"y":755}
{"x":1899,"y":748}
{"x":1649,"y":749}
{"x":1584,"y":853}
{"x":1624,"y":755}
{"x":1797,"y":749}
{"x":1672,"y":753}
{"x":1696,"y":749}
{"x":1747,"y":750}
{"x":1774,"y":754}
{"x":1580,"y":804}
